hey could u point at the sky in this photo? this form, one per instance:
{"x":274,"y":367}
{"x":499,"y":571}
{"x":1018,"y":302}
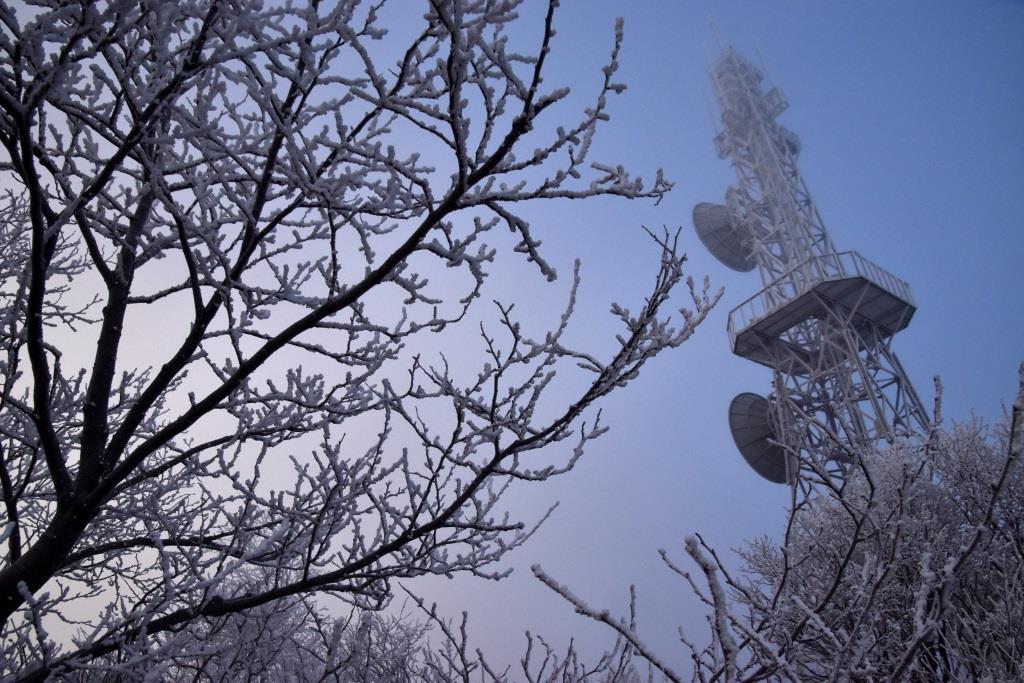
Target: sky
{"x":909,"y":116}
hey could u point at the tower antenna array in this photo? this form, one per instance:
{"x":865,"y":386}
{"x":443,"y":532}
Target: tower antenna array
{"x":824,"y":320}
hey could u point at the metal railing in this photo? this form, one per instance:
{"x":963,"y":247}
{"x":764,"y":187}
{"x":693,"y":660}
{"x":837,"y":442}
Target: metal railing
{"x":801,"y":279}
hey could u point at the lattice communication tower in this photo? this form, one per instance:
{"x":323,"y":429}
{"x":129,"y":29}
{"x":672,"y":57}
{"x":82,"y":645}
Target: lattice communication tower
{"x":824,"y":320}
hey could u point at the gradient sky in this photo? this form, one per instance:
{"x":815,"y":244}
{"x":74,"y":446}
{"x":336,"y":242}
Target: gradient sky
{"x":910,"y":115}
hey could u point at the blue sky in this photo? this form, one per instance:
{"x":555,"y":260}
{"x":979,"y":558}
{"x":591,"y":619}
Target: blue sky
{"x":910,"y":115}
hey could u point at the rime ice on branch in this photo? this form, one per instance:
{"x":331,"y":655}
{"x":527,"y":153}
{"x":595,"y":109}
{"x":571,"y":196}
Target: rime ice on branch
{"x":285,"y":200}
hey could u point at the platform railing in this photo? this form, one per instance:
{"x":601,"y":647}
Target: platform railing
{"x":802,"y":278}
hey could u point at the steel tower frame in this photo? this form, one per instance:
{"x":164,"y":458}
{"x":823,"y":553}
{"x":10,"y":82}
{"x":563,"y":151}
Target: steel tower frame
{"x":824,"y":320}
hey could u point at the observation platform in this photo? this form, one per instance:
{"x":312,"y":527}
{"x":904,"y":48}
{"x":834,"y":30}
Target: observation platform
{"x":844,"y":284}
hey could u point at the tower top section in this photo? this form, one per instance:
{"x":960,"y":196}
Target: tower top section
{"x":743,"y":101}
{"x":770,"y":205}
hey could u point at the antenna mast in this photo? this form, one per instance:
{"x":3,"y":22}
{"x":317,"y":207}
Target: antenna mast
{"x":824,"y":320}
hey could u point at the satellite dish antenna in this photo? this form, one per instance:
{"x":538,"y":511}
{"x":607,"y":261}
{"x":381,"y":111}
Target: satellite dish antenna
{"x":756,"y":439}
{"x":726,"y":241}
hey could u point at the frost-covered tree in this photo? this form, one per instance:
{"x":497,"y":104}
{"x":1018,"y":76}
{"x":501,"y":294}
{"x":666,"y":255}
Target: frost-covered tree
{"x":230,"y":231}
{"x":909,"y":568}
{"x":294,"y":640}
